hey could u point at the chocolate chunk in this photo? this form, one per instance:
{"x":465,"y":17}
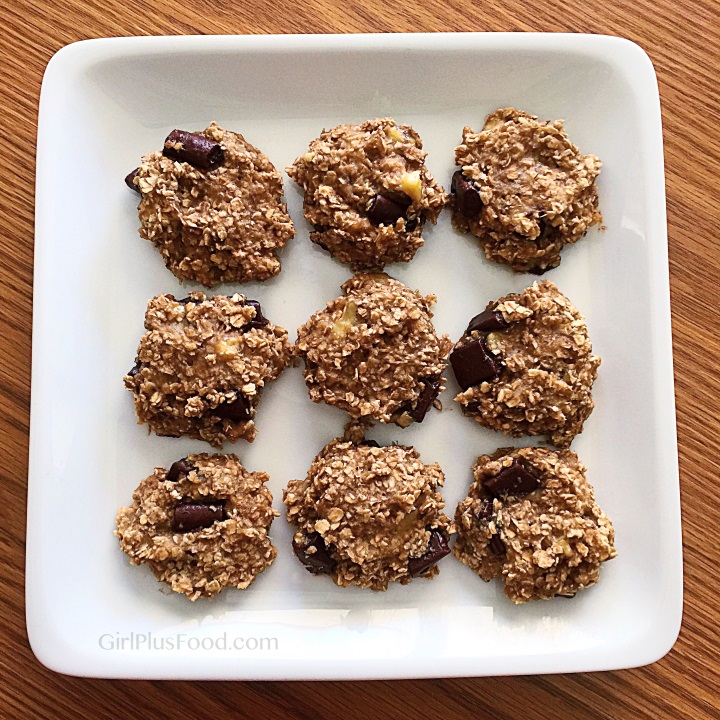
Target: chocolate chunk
{"x":238,"y":409}
{"x":179,"y":468}
{"x":467,"y":195}
{"x":185,"y":300}
{"x":537,"y":270}
{"x":196,"y":516}
{"x":517,"y":479}
{"x":315,"y":237}
{"x":369,"y":443}
{"x":430,"y":391}
{"x":196,"y":149}
{"x":412,"y":224}
{"x":129,"y":181}
{"x":437,"y":549}
{"x":473,"y":363}
{"x":135,"y":369}
{"x":496,"y":545}
{"x":488,"y":320}
{"x":259,"y":320}
{"x":319,"y":561}
{"x":386,"y":211}
{"x":486,"y":510}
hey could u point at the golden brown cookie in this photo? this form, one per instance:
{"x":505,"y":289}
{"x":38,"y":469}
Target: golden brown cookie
{"x":201,"y":526}
{"x":524,"y":190}
{"x":531,"y":518}
{"x":202,"y":365}
{"x":369,"y":515}
{"x":368,"y":192}
{"x":374,"y":353}
{"x":212,"y":205}
{"x":525,"y":366}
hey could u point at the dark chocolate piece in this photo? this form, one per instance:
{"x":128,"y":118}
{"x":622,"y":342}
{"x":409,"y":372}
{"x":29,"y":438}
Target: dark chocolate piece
{"x":467,"y":196}
{"x":319,"y":562}
{"x":473,"y":363}
{"x":487,"y":321}
{"x":195,"y":149}
{"x":196,"y":516}
{"x":430,"y":391}
{"x":496,"y":545}
{"x":259,"y":320}
{"x":178,"y":468}
{"x":412,"y":224}
{"x":135,"y":369}
{"x":238,"y":409}
{"x":537,"y":270}
{"x":369,"y":443}
{"x":517,"y":479}
{"x":486,"y":510}
{"x":437,"y":549}
{"x":386,"y":211}
{"x":129,"y":181}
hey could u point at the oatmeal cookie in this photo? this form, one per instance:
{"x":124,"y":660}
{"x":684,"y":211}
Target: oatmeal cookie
{"x":369,"y":515}
{"x":524,"y":190}
{"x":525,"y":366}
{"x":374,"y":351}
{"x":211,"y":204}
{"x":531,"y":517}
{"x":201,"y":526}
{"x":202,"y":365}
{"x":368,"y":192}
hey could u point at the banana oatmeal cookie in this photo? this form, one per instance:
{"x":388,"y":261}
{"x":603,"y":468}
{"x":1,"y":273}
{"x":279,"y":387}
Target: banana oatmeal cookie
{"x":524,"y":190}
{"x":202,"y":365}
{"x":374,"y":351}
{"x":368,"y":192}
{"x":531,"y":517}
{"x":369,"y":515}
{"x":525,"y":366}
{"x":212,"y":205}
{"x":201,"y":526}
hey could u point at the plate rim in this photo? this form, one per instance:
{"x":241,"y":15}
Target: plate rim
{"x":625,"y":55}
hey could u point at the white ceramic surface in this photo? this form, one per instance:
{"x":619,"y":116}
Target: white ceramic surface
{"x":107,"y":102}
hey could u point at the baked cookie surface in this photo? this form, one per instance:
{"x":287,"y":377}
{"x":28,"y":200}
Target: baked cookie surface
{"x":369,"y":515}
{"x":368,"y":192}
{"x":525,"y":366}
{"x":374,"y":353}
{"x":212,"y":205}
{"x":531,"y":518}
{"x":524,"y":190}
{"x":202,"y":365}
{"x":201,"y":526}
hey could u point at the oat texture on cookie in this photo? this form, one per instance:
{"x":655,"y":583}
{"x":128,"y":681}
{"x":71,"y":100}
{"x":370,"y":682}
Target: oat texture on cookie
{"x":373,"y":352}
{"x":531,"y":518}
{"x":201,"y":526}
{"x":525,"y":366}
{"x":524,"y":190}
{"x":202,"y":365}
{"x":368,"y":515}
{"x":211,"y":203}
{"x":368,"y":193}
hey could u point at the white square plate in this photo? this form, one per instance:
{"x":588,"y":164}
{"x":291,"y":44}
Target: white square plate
{"x":104,"y":104}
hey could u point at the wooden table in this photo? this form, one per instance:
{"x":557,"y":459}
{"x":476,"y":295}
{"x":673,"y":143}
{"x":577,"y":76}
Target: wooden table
{"x":683,"y":40}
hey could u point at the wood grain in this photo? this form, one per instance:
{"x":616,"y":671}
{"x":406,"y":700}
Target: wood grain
{"x":683,"y":40}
